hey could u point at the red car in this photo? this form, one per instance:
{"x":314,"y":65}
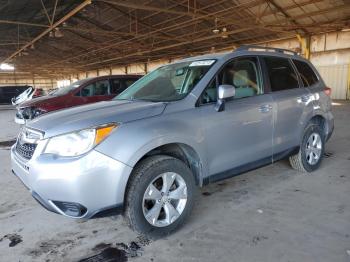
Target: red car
{"x":82,"y":92}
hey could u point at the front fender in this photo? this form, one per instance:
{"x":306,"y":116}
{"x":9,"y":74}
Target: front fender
{"x":131,"y":141}
{"x":165,"y":140}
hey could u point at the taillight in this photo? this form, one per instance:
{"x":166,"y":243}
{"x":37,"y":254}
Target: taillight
{"x":328,"y":91}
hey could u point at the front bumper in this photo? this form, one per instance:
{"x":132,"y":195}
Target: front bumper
{"x":93,"y":181}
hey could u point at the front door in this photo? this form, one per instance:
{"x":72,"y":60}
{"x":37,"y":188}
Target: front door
{"x":239,"y":137}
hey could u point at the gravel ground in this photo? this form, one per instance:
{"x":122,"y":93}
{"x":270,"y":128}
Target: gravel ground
{"x":271,"y":214}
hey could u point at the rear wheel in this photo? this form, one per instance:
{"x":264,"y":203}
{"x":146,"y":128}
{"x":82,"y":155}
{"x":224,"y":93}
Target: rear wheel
{"x":311,"y":150}
{"x":159,"y":196}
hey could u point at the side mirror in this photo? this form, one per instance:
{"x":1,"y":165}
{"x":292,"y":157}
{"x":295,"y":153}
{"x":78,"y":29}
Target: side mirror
{"x":224,"y":92}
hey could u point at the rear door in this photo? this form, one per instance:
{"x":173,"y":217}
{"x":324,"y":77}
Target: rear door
{"x":314,"y":84}
{"x":292,"y":103}
{"x":239,"y":137}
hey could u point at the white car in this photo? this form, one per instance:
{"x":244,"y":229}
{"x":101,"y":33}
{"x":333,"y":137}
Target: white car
{"x":25,"y":96}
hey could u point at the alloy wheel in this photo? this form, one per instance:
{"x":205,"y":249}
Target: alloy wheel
{"x":313,"y":149}
{"x":165,"y":199}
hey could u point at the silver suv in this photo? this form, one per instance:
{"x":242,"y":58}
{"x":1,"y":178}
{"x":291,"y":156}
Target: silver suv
{"x":186,"y":124}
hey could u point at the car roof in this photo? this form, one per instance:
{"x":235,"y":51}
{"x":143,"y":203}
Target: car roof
{"x":244,"y":50}
{"x":203,"y":57}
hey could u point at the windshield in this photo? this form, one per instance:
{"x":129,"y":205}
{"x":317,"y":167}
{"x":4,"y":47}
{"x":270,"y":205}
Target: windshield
{"x":65,"y":90}
{"x":167,"y":83}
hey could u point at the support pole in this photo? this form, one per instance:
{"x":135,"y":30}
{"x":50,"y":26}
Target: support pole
{"x":305,"y":45}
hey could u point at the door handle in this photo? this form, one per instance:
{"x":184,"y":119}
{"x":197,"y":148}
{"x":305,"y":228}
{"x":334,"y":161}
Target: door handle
{"x":265,"y":108}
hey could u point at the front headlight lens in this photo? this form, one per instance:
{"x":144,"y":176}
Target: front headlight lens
{"x":37,"y":112}
{"x":77,"y":143}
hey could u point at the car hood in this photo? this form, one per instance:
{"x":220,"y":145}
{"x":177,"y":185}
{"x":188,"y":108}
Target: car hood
{"x":49,"y":99}
{"x":81,"y":117}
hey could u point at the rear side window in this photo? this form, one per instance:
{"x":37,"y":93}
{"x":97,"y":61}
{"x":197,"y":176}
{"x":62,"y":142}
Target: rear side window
{"x":99,"y":88}
{"x":129,"y":82}
{"x":119,"y":85}
{"x":281,"y":74}
{"x":306,"y":73}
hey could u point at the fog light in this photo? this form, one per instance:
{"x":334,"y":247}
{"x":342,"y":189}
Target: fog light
{"x":71,"y":209}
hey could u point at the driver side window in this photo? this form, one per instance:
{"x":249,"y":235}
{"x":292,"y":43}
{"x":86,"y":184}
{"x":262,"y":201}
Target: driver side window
{"x":242,"y":73}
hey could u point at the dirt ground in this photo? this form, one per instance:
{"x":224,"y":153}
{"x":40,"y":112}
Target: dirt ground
{"x":270,"y":214}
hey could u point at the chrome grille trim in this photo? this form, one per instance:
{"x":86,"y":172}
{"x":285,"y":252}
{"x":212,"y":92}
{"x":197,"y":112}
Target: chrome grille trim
{"x":25,"y":150}
{"x":27,"y":142}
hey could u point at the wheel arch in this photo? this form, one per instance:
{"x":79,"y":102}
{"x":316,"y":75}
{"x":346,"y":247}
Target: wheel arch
{"x":320,"y":120}
{"x":182,"y":151}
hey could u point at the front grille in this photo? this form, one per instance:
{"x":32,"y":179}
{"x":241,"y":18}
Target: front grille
{"x":25,"y":150}
{"x":27,"y":142}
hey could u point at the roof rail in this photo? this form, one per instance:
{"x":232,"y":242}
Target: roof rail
{"x":270,"y":49}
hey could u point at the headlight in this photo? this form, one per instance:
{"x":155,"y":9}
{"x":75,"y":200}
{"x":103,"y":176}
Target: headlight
{"x":26,"y":112}
{"x":31,"y":112}
{"x":77,"y":143}
{"x":37,"y":112}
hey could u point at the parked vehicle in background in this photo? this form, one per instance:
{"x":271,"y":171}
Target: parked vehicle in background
{"x":85,"y":91}
{"x":193,"y":122}
{"x":9,"y":92}
{"x":27,"y":95}
{"x":39,"y":92}
{"x":50,"y":91}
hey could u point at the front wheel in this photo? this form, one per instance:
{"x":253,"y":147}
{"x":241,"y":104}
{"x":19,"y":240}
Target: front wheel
{"x":311,"y":150}
{"x":159,"y":196}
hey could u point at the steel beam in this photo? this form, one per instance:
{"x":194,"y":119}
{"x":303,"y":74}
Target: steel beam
{"x":280,"y":9}
{"x":148,"y":8}
{"x":22,"y":23}
{"x":46,"y":31}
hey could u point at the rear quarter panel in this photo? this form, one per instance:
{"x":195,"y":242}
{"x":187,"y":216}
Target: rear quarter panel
{"x":321,"y":102}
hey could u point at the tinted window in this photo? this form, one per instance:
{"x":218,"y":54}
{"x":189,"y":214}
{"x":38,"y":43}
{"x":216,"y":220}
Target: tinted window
{"x":129,"y":82}
{"x":306,"y":73}
{"x":99,"y":88}
{"x":67,"y":89}
{"x":281,"y":73}
{"x":119,"y":85}
{"x":242,"y":73}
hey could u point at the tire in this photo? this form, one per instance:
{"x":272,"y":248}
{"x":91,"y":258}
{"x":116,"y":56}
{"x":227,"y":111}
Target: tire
{"x":154,"y":171}
{"x":301,"y":160}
